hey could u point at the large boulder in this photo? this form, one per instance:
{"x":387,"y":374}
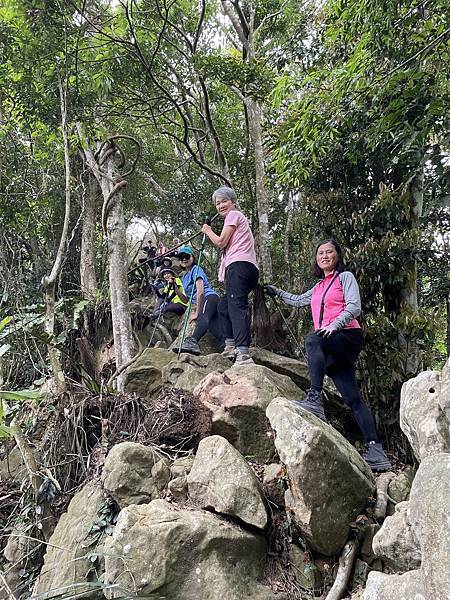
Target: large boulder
{"x":187,"y":372}
{"x":396,"y":542}
{"x":134,"y":474}
{"x":70,"y":564}
{"x":297,"y":370}
{"x":425,"y":412}
{"x":329,"y":483}
{"x":160,"y":551}
{"x":144,"y":376}
{"x":238,"y":400}
{"x":409,"y":586}
{"x":221,"y":479}
{"x":430,"y":519}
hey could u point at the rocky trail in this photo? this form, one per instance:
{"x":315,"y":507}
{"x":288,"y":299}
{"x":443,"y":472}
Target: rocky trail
{"x":208,"y":482}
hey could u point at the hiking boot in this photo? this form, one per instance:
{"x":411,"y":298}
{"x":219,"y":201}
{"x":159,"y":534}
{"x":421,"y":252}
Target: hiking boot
{"x":229,"y":352}
{"x":243,"y":359}
{"x":190,"y":346}
{"x":375,"y":457}
{"x":313,"y":403}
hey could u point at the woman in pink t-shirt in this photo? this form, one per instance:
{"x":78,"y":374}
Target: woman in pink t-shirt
{"x":239,"y":271}
{"x":336,"y":342}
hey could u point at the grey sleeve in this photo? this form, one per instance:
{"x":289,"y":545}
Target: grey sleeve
{"x":296,"y":299}
{"x":352,"y":300}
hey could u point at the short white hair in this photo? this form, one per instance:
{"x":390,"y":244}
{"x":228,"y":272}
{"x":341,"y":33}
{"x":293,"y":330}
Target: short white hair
{"x":225,"y":192}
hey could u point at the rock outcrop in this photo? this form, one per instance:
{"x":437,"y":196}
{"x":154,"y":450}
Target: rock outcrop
{"x":425,"y":412}
{"x":135,"y":474}
{"x":69,"y":567}
{"x":221,"y":479}
{"x":430,"y":520}
{"x":238,"y":400}
{"x":329,"y":483}
{"x":144,"y":376}
{"x":158,"y":551}
{"x":424,"y":417}
{"x":396,"y":542}
{"x":188,"y":371}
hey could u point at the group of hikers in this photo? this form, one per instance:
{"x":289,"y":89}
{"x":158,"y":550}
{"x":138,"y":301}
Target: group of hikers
{"x":333,"y":347}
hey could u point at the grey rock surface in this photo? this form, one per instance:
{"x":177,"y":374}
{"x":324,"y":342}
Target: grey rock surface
{"x":67,"y":566}
{"x":187,"y":372}
{"x":221,"y":479}
{"x":430,"y":519}
{"x":144,"y":376}
{"x":134,"y":474}
{"x":396,"y":542}
{"x":329,"y":481}
{"x":409,"y":586}
{"x":182,"y":466}
{"x":238,"y":400}
{"x":160,"y":551}
{"x":425,"y":412}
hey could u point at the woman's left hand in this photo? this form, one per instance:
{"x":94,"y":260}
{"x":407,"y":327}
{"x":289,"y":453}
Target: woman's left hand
{"x":193,"y":317}
{"x":326,"y":332}
{"x":206,"y":228}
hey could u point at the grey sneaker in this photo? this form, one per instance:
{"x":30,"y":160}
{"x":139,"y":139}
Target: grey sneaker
{"x":243,"y":359}
{"x":229,"y":352}
{"x":313,"y":402}
{"x":375,"y":457}
{"x":190,"y":346}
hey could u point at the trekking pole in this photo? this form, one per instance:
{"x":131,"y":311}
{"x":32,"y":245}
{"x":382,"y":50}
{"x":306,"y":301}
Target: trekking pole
{"x":299,"y":348}
{"x":187,"y":314}
{"x":156,"y":324}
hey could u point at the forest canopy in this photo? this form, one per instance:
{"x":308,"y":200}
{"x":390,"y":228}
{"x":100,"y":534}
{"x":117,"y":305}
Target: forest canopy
{"x":329,"y":119}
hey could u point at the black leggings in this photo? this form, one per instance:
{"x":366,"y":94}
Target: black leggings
{"x":209,"y":319}
{"x":174,"y":307}
{"x":336,"y":356}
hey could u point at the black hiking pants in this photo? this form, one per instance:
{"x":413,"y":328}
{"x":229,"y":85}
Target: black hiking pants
{"x":240,"y":279}
{"x":209,"y":319}
{"x":336,"y":357}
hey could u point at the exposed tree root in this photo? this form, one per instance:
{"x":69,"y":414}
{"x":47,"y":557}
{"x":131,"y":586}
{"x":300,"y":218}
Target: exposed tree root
{"x":345,"y":567}
{"x":382,"y":496}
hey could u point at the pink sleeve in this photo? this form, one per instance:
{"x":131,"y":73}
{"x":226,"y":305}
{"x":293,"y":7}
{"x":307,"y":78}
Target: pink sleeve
{"x":232,"y":219}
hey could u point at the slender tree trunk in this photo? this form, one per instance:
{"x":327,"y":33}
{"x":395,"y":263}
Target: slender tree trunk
{"x":102,"y":166}
{"x":88,"y":277}
{"x":262,"y":196}
{"x":287,"y":234}
{"x":49,"y":282}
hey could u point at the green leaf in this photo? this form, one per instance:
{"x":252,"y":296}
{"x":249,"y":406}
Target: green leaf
{"x":21,"y":395}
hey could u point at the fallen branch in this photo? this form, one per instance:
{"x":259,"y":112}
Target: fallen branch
{"x":382,"y":496}
{"x":345,"y":567}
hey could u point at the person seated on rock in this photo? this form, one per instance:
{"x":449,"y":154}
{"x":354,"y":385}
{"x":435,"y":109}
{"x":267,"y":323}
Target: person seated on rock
{"x":336,"y":342}
{"x":239,"y":270}
{"x":204,"y":302}
{"x":170,"y":297}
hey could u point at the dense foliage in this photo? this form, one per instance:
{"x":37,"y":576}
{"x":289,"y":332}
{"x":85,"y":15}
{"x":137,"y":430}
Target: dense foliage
{"x":354,"y":103}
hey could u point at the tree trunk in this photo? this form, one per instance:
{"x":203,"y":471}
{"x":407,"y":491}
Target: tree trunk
{"x":118,"y":279}
{"x":49,"y":282}
{"x":88,"y":277}
{"x":262,"y":197}
{"x":287,"y":233}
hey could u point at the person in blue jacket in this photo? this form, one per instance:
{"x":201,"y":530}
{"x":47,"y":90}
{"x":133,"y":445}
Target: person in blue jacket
{"x":204,"y":302}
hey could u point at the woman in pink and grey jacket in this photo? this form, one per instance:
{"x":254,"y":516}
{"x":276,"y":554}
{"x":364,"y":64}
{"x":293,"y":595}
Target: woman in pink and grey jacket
{"x":336,"y":343}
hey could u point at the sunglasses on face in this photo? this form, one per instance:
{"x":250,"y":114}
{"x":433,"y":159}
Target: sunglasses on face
{"x":184,"y":256}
